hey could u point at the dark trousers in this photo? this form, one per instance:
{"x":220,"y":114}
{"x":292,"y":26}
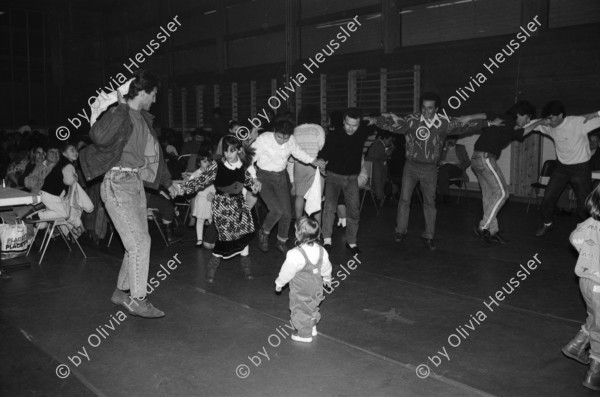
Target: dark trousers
{"x":445,"y":173}
{"x":275,"y":192}
{"x":580,"y":177}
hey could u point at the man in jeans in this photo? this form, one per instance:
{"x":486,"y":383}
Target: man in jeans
{"x":486,"y":151}
{"x":273,"y":150}
{"x":126,"y":149}
{"x":343,"y":151}
{"x":569,"y":134}
{"x":425,"y":135}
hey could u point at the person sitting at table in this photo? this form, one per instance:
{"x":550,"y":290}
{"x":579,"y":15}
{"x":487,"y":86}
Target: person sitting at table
{"x":55,"y":188}
{"x":34,"y":177}
{"x":18,"y":166}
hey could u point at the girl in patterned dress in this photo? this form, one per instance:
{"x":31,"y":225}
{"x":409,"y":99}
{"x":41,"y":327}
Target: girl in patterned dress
{"x":230,"y":212}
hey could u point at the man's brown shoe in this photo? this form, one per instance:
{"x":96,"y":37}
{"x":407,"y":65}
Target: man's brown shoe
{"x":142,"y":308}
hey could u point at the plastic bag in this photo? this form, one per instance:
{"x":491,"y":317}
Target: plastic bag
{"x":14,"y":240}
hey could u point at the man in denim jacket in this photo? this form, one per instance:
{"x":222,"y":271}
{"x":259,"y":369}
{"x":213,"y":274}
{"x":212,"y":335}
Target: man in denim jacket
{"x":127,"y":151}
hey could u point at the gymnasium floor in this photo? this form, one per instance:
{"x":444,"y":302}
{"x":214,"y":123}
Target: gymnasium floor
{"x":399,"y":308}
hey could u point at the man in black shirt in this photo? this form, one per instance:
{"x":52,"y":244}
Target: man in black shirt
{"x":343,"y":152}
{"x":486,"y":151}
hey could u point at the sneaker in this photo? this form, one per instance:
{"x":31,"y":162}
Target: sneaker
{"x":399,"y":236}
{"x":298,"y":338}
{"x":314,"y":331}
{"x":142,"y":308}
{"x":119,"y":297}
{"x":281,"y":246}
{"x":263,"y":241}
{"x":543,"y":230}
{"x":429,"y":243}
{"x":496,"y":239}
{"x":355,"y":250}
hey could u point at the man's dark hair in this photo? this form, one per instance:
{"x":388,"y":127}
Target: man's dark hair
{"x":142,"y":81}
{"x":523,"y":108}
{"x":352,"y":113}
{"x":53,"y":144}
{"x":284,"y":127}
{"x":309,"y":114}
{"x":553,"y":108}
{"x":384,"y":135}
{"x":431,"y":96}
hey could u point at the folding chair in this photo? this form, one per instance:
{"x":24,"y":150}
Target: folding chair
{"x":52,"y":224}
{"x":542,"y":182}
{"x":461,"y":183}
{"x":152,"y":215}
{"x":368,"y":188}
{"x":187,"y":203}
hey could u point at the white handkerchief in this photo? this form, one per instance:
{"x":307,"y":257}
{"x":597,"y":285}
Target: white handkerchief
{"x":104,"y":100}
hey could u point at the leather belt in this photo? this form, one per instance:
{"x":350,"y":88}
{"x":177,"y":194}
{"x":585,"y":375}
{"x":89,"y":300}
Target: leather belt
{"x":125,"y":169}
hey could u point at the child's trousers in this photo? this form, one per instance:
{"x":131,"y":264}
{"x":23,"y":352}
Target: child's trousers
{"x":591,"y":294}
{"x":306,"y":293}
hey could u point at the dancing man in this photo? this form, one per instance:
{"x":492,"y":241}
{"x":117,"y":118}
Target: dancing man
{"x":125,"y":148}
{"x":425,"y":135}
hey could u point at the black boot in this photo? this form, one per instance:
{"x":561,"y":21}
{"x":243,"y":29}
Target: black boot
{"x":172,"y":236}
{"x":211,"y":269}
{"x":577,"y":348}
{"x":245,"y":262}
{"x":592,"y":378}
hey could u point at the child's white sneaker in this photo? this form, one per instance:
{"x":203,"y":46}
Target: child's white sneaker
{"x":314,"y":331}
{"x":298,"y":338}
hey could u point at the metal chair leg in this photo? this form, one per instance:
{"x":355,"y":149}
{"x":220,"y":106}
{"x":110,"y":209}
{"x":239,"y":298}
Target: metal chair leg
{"x":374,"y":202}
{"x":33,"y":239}
{"x":77,"y":242}
{"x":62,"y":234}
{"x":160,"y":229}
{"x":47,"y":242}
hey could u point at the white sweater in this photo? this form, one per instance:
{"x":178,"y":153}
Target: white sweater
{"x":294,"y":262}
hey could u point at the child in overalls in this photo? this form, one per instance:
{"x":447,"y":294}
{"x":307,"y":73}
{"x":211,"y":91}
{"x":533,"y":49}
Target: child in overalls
{"x":306,"y":268}
{"x":585,"y":347}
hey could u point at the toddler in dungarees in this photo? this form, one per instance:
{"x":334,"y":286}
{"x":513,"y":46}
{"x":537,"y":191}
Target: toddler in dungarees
{"x":306,"y":267}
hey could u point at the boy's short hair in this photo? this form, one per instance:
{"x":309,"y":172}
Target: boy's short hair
{"x":284,"y":127}
{"x":553,"y":108}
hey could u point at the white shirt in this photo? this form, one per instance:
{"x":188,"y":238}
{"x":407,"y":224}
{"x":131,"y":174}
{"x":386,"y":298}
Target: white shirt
{"x":570,"y":139}
{"x":271,"y":156}
{"x":294,"y":262}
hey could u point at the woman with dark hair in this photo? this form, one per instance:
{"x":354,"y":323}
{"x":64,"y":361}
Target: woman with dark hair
{"x":230,"y":212}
